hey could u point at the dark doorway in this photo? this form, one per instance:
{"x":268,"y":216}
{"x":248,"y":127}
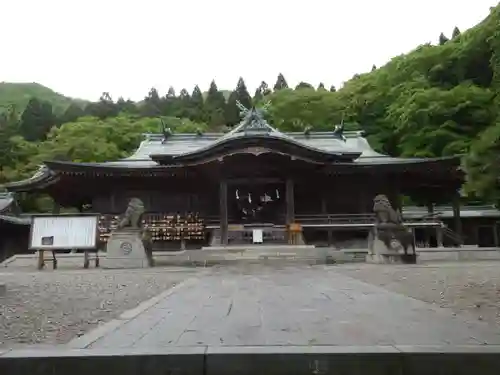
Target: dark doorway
{"x":255,"y":202}
{"x":485,"y":236}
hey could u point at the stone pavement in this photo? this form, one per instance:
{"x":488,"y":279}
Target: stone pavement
{"x":295,"y":305}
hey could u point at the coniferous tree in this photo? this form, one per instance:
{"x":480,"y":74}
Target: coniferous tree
{"x":332,"y":88}
{"x":196,"y":105}
{"x":261,"y":92}
{"x":374,"y":67}
{"x":321,"y":86}
{"x":72,"y":113}
{"x":232,"y":112}
{"x":280,"y":83}
{"x":214,"y":106}
{"x":456,"y":32}
{"x":242,"y":93}
{"x":264,"y":88}
{"x":171,"y":93}
{"x":36,"y":120}
{"x":257,"y":97}
{"x":184,"y":94}
{"x":151,"y":106}
{"x":170,"y":104}
{"x":103,"y":108}
{"x":442,"y":39}
{"x":126,"y":106}
{"x":183,"y":102}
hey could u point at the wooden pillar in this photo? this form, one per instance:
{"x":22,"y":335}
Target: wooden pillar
{"x":430,"y":211}
{"x":223,"y":212}
{"x":324,"y":211}
{"x":456,"y":214}
{"x":290,"y":208}
{"x":41,"y":261}
{"x":290,"y":201}
{"x":495,"y":235}
{"x":430,"y":208}
{"x":113,"y":203}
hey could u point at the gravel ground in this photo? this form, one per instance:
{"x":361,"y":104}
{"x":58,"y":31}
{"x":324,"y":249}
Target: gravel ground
{"x":53,"y":307}
{"x":463,"y":287}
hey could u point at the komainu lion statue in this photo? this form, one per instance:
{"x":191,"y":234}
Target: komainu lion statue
{"x":132,"y":219}
{"x":389,"y":227}
{"x":133,"y":215}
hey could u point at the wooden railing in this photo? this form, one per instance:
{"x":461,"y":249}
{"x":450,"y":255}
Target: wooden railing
{"x":335,"y":219}
{"x":363,"y":218}
{"x":339,"y":220}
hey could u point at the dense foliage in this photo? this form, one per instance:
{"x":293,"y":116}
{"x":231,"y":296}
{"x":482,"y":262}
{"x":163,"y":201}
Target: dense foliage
{"x":438,"y":100}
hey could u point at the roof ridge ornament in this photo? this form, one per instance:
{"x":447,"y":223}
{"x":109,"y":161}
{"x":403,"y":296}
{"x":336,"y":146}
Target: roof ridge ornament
{"x":253,"y":119}
{"x":338,"y":132}
{"x":166,"y":131}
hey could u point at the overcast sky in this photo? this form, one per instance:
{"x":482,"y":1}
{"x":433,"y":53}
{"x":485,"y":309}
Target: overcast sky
{"x":83,"y":47}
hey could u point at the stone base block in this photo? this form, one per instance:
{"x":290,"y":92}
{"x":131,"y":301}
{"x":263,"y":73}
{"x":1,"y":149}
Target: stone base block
{"x":391,"y":258}
{"x":125,"y":249}
{"x":3,"y":290}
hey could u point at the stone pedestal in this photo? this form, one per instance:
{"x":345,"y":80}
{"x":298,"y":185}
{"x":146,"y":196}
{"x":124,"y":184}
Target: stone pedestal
{"x":125,"y":249}
{"x":379,"y":253}
{"x":3,"y":290}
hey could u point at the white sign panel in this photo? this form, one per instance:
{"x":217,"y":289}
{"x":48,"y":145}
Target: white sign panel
{"x":257,"y":236}
{"x":64,"y":232}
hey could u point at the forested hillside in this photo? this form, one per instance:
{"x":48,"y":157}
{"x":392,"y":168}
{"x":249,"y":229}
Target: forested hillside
{"x":440,"y":99}
{"x":17,"y":95}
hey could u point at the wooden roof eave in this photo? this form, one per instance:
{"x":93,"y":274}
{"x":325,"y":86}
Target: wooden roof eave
{"x":451,"y":164}
{"x":64,"y":168}
{"x":41,"y":179}
{"x":240,"y":144}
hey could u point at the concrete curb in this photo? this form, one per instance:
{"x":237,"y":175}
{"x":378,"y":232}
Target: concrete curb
{"x":96,"y":334}
{"x":279,"y":360}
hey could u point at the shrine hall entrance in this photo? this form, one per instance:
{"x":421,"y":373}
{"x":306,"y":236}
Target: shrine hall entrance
{"x":256,"y":202}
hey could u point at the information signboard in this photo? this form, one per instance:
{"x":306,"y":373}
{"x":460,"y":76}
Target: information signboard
{"x":64,"y":232}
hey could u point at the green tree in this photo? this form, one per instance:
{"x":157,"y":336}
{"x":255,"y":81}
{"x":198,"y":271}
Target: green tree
{"x":102,"y":109}
{"x":36,"y":120}
{"x":482,"y":165}
{"x":321,"y":86}
{"x":152,"y":104}
{"x":73,"y":112}
{"x":280,"y":83}
{"x":242,"y":93}
{"x":332,"y":88}
{"x":126,"y":106}
{"x":442,"y":39}
{"x":196,"y":105}
{"x":261,"y":92}
{"x":293,"y":110}
{"x":232,"y":113}
{"x":214,"y":106}
{"x":9,"y":127}
{"x":304,"y":85}
{"x":456,"y":33}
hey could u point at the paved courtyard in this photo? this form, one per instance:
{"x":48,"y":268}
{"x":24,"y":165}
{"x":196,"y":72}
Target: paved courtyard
{"x":293,"y":305}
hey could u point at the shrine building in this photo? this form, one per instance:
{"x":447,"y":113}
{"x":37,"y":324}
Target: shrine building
{"x":216,"y":188}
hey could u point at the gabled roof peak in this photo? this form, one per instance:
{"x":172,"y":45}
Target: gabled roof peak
{"x":253,"y":120}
